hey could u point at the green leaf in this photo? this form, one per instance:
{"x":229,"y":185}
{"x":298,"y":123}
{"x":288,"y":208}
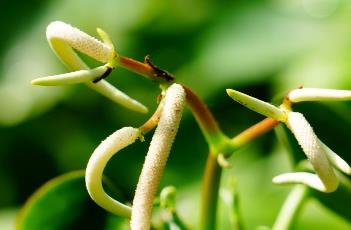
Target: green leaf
{"x":61,"y":203}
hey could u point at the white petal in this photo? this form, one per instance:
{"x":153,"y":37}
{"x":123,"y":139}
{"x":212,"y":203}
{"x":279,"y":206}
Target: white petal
{"x":117,"y":96}
{"x":156,"y":157}
{"x":314,"y":151}
{"x":257,"y":105}
{"x":336,"y":160}
{"x":79,"y":76}
{"x":79,"y":40}
{"x":314,"y":94}
{"x":97,"y":162}
{"x":309,"y":179}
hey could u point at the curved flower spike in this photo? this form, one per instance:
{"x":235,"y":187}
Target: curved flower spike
{"x":314,"y":94}
{"x":97,"y":162}
{"x":319,"y":155}
{"x":58,"y":33}
{"x":63,"y":38}
{"x":156,"y":157}
{"x":326,"y":181}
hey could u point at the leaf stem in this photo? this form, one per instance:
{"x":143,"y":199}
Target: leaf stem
{"x":208,"y":124}
{"x":209,"y":199}
{"x":254,"y":131}
{"x":153,"y":120}
{"x":146,"y":69}
{"x":213,"y":170}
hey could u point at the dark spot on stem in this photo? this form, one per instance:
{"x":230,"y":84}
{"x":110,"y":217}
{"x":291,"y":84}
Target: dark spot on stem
{"x":159,"y":73}
{"x":107,"y":72}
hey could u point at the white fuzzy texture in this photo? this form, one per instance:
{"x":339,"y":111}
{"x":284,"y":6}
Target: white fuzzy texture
{"x":97,"y":163}
{"x":79,"y":40}
{"x":156,"y":157}
{"x":325,"y":180}
{"x":315,"y":94}
{"x":62,"y":37}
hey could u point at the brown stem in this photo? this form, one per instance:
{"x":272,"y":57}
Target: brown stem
{"x":153,"y":120}
{"x":203,"y":116}
{"x":146,"y":69}
{"x":254,"y":131}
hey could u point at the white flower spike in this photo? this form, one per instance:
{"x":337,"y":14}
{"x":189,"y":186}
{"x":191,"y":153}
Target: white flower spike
{"x":314,"y":94}
{"x":97,"y":163}
{"x":326,"y":180}
{"x":156,"y":157}
{"x":319,"y":155}
{"x":63,"y":38}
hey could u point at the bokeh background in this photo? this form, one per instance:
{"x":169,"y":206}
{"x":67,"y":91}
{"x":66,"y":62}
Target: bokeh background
{"x":263,"y":48}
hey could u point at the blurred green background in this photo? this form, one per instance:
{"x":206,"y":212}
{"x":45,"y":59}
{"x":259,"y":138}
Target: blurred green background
{"x":263,"y":48}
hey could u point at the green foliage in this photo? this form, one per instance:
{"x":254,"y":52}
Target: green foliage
{"x":260,"y":48}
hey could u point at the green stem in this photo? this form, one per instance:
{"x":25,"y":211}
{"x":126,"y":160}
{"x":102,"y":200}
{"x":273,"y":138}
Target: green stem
{"x":208,"y":124}
{"x":291,"y":207}
{"x":209,"y":200}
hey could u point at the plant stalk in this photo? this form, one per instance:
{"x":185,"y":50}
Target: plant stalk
{"x":208,"y":124}
{"x":254,"y":131}
{"x":209,"y":199}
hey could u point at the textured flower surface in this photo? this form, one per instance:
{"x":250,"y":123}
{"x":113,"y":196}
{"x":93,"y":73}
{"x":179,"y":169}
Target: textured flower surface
{"x":156,"y":157}
{"x":97,"y":162}
{"x":318,"y":154}
{"x":63,"y":39}
{"x":155,"y":162}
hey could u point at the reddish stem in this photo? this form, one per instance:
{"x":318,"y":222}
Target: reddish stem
{"x":254,"y":131}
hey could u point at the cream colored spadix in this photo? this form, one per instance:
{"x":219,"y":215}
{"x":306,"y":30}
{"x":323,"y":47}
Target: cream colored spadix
{"x":63,"y":38}
{"x":326,"y":181}
{"x":59,"y":31}
{"x":156,"y":157}
{"x":315,"y":94}
{"x":257,"y":105}
{"x":97,"y":163}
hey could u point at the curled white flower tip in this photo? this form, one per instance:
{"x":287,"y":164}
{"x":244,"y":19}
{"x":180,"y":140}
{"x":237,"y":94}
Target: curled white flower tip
{"x":97,"y":162}
{"x":223,"y":162}
{"x":79,"y":76}
{"x":315,"y":94}
{"x":305,"y":178}
{"x":315,"y":153}
{"x":257,"y":105}
{"x":79,"y":40}
{"x":156,"y":157}
{"x":336,"y":160}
